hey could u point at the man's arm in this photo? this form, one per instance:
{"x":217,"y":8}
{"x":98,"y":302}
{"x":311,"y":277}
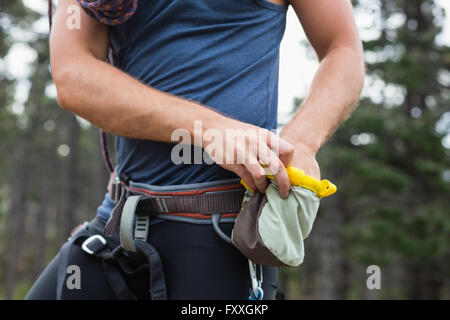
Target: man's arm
{"x":106,"y":96}
{"x":120,"y":104}
{"x":331,"y":30}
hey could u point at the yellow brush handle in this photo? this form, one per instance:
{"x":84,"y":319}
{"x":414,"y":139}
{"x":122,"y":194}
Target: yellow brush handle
{"x":297,"y":177}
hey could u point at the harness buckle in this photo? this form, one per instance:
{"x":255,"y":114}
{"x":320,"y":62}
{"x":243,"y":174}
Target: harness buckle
{"x":116,"y":189}
{"x":94,"y":244}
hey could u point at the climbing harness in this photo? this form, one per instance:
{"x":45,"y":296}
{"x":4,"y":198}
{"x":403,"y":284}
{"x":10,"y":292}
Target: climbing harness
{"x":215,"y":202}
{"x":136,"y":205}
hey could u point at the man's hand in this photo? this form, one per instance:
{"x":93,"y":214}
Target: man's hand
{"x":305,"y":158}
{"x":245,"y":148}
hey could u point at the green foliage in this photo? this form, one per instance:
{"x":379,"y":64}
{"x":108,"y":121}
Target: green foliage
{"x":394,"y":183}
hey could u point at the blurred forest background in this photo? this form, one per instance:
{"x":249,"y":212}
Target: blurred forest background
{"x":391,"y":161}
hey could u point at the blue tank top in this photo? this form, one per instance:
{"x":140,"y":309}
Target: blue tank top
{"x":222,"y":53}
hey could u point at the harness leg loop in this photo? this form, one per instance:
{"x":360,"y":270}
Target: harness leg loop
{"x":215,"y":218}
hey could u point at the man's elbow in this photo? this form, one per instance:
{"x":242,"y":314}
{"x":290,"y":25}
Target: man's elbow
{"x":361,"y":63}
{"x":63,"y":77}
{"x":350,"y":54}
{"x":357,"y":67}
{"x":361,"y":71}
{"x":63,"y":99}
{"x":355,"y":52}
{"x":353,"y":58}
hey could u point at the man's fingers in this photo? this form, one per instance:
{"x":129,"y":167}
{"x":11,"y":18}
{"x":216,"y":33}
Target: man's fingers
{"x":275,"y":167}
{"x":258,"y":174}
{"x":267,"y":149}
{"x":282,"y":180}
{"x":242,"y":172}
{"x":281,"y":147}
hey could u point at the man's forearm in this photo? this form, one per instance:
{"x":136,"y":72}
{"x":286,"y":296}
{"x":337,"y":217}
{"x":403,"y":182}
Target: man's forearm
{"x":120,"y":104}
{"x":116,"y":102}
{"x":333,"y":94}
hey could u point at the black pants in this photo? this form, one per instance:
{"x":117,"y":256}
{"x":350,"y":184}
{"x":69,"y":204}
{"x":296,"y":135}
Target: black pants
{"x":197,"y":265}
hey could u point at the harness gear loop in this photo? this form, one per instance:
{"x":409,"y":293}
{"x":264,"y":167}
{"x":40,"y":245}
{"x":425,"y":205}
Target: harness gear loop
{"x":127,"y":222}
{"x":138,"y":243}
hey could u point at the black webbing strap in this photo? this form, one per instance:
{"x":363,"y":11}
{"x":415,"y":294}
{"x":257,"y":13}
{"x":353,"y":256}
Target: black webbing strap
{"x":113,"y":275}
{"x":109,"y":258}
{"x":118,"y":284}
{"x":63,"y":259}
{"x":158,"y":289}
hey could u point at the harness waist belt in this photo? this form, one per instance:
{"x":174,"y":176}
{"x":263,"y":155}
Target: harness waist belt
{"x":199,"y":203}
{"x":191,"y":201}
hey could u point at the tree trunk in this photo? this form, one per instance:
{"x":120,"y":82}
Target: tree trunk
{"x":18,"y":212}
{"x":46,"y":194}
{"x":332,"y":272}
{"x":426,"y":281}
{"x":70,"y":179}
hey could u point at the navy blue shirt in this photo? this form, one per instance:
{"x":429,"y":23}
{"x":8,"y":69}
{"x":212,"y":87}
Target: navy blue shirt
{"x":221,"y":53}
